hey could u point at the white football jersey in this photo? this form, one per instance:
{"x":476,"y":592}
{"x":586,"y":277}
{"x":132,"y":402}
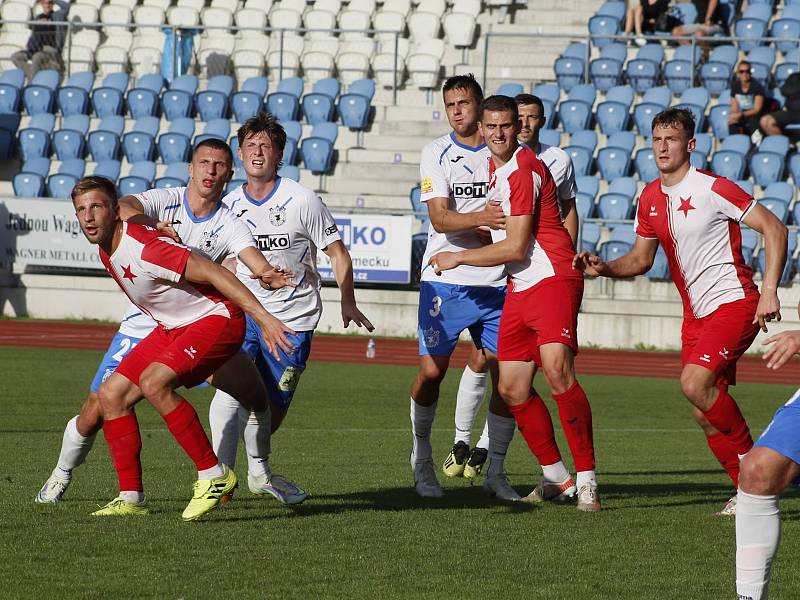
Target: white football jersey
{"x":215,"y":236}
{"x":289,"y":225}
{"x":559,"y":164}
{"x":451,"y":170}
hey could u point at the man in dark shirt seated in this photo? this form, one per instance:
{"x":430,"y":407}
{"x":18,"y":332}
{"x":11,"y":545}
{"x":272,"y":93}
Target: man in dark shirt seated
{"x":43,"y":50}
{"x":747,"y":101}
{"x":788,"y":118}
{"x":709,"y":22}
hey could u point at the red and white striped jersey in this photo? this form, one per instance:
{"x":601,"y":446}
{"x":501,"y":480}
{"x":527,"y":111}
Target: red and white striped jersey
{"x":696,"y":221}
{"x":524,"y":186}
{"x":149,"y":268}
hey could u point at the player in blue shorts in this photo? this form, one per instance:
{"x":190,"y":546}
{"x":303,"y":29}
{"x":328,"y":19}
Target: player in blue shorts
{"x":765,"y":471}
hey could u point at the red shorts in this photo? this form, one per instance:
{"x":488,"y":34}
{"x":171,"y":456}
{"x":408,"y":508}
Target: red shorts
{"x":543,"y":314}
{"x":716,"y":341}
{"x":194,"y":351}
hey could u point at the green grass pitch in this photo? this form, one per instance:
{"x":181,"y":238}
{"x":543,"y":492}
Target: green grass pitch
{"x":364,"y":533}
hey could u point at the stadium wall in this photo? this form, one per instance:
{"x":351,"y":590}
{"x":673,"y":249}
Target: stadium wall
{"x":616,"y":314}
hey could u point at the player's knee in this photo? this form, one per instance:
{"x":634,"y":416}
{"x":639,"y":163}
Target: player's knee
{"x":153,"y":385}
{"x":477,"y":362}
{"x":695,"y":389}
{"x":512,"y":392}
{"x":430,"y":371}
{"x":90,"y":418}
{"x":754,"y":476}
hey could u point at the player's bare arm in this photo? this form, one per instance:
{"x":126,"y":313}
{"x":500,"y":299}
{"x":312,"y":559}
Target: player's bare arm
{"x":636,"y":262}
{"x":342,"y":267}
{"x":445,"y":220}
{"x":270,"y":278}
{"x":571,"y":219}
{"x":775,"y":235}
{"x":131,"y":209}
{"x":201,"y":270}
{"x":518,"y":235}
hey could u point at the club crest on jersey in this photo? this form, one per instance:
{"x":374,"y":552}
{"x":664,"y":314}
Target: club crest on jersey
{"x":277,"y":215}
{"x":430,"y":338}
{"x":724,"y":353}
{"x":208,"y":242}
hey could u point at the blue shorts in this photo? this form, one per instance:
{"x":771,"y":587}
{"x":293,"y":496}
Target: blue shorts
{"x":783,"y":433}
{"x":117,"y":349}
{"x":445,"y":310}
{"x":280,"y":378}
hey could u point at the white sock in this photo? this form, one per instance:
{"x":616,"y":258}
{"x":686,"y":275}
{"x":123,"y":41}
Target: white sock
{"x":556,"y":472}
{"x":212,"y":473}
{"x":584,"y":477}
{"x":135,"y":497}
{"x":501,"y":430}
{"x":471,"y":390}
{"x":74,"y":448}
{"x":255,"y":427}
{"x":758,"y":532}
{"x":224,"y":422}
{"x":421,"y":423}
{"x":483,"y":441}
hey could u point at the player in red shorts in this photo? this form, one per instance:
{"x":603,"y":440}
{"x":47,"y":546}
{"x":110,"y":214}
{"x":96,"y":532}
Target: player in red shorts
{"x":540,"y":315}
{"x":695,"y":216}
{"x":197,"y":306}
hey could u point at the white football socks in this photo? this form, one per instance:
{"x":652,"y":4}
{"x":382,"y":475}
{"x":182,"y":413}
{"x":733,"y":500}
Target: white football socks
{"x":224,"y":422}
{"x":471,"y":390}
{"x":758,"y":532}
{"x":133,"y":497}
{"x":556,"y":472}
{"x":501,"y":430}
{"x":421,"y":423}
{"x":212,"y":473}
{"x":585,"y":477}
{"x":74,"y":448}
{"x":255,"y":427}
{"x":483,"y":441}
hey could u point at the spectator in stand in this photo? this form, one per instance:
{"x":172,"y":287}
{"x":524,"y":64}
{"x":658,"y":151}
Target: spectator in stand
{"x":43,"y":50}
{"x":776,"y":123}
{"x":747,"y":101}
{"x":709,"y":22}
{"x":645,"y":17}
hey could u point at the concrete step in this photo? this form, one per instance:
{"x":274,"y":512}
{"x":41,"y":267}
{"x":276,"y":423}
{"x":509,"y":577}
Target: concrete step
{"x":395,"y":142}
{"x":425,"y":129}
{"x":355,"y":187}
{"x":389,"y":157}
{"x":386,"y":174}
{"x":368,"y":202}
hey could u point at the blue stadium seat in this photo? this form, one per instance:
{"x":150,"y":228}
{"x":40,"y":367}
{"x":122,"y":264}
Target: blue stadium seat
{"x":6,"y":144}
{"x":176,"y":175}
{"x":416,"y":204}
{"x":104,"y":142}
{"x":574,"y":115}
{"x":678,"y":75}
{"x":293,"y":129}
{"x":73,"y":96}
{"x":600,"y":25}
{"x":695,"y":95}
{"x":788,"y":269}
{"x":217,"y":128}
{"x":184,"y":125}
{"x":716,"y":77}
{"x":60,"y":185}
{"x":697,"y":113}
{"x":366,"y":88}
{"x":38,"y":164}
{"x":615,"y":51}
{"x":75,"y":167}
{"x":38,"y":99}
{"x":34,"y":140}
{"x":581,"y":159}
{"x":569,"y":71}
{"x":660,"y":269}
{"x":233,"y":142}
{"x":728,"y":163}
{"x":212,"y":103}
{"x":291,"y":85}
{"x":645,"y":165}
{"x":775,"y":143}
{"x":9,"y":98}
{"x":767,"y":167}
{"x":737,"y":142}
{"x":290,"y":151}
{"x":749,"y":243}
{"x":622,"y":232}
{"x":702,"y":150}
{"x":109,"y":99}
{"x":13,"y":77}
{"x":354,"y":110}
{"x":780,"y":190}
{"x":782,"y":72}
{"x":643,"y":115}
{"x":585,"y":92}
{"x":660,"y":95}
{"x":788,"y":29}
{"x":174,"y":147}
{"x":550,"y":137}
{"x":749,"y":32}
{"x":588,"y":184}
{"x":625,"y":186}
{"x":613,"y":249}
{"x":547,"y":92}
{"x":283,"y":105}
{"x":145,"y":169}
{"x":290,"y":172}
{"x":614,"y":206}
{"x":613,"y":162}
{"x":687,"y":12}
{"x":143,"y":100}
{"x":69,"y":141}
{"x":233,"y":184}
{"x":605,"y":73}
{"x":586,"y":138}
{"x":642,"y":74}
{"x":777,"y":207}
{"x":589,"y":235}
{"x":318,"y":108}
{"x":510,"y":89}
{"x":575,"y":50}
{"x":132,"y":185}
{"x":622,"y":139}
{"x":718,"y":119}
{"x":138,"y":146}
{"x":108,"y":169}
{"x":584,"y":205}
{"x":176,"y":104}
{"x":612,"y":9}
{"x":317,"y":151}
{"x":764,"y":55}
{"x":248,"y":100}
{"x":28,"y":185}
{"x":725,"y":53}
{"x":760,"y":11}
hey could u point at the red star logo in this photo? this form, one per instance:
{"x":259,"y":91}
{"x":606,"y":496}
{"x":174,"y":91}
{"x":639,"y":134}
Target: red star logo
{"x":128,"y":274}
{"x":686,"y":206}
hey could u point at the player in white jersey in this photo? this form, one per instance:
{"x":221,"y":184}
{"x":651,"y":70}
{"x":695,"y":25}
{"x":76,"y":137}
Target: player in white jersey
{"x":695,"y":216}
{"x":454,"y":179}
{"x":772,"y":465}
{"x":205,"y":225}
{"x":290,"y":224}
{"x":463,"y":461}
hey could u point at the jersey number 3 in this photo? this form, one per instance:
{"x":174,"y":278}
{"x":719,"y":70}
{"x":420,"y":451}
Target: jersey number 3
{"x":437,"y":306}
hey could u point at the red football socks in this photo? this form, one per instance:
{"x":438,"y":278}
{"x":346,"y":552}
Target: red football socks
{"x":125,"y":444}
{"x":187,"y":430}
{"x":726,"y":455}
{"x":726,"y":418}
{"x":536,"y":426}
{"x":576,"y":419}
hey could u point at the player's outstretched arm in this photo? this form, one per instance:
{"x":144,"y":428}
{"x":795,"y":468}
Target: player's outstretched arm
{"x":637,"y":261}
{"x":342,"y":266}
{"x":132,"y":210}
{"x":775,"y":235}
{"x":445,"y":220}
{"x":270,"y":278}
{"x":202,"y":270}
{"x":571,"y":220}
{"x":513,"y":248}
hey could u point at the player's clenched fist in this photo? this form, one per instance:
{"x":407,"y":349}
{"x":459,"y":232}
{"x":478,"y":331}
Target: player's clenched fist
{"x":591,"y":264}
{"x":493,"y":216}
{"x":443,"y":261}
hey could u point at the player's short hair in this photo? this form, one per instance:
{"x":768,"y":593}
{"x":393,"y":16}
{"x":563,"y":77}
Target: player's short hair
{"x":528,"y":99}
{"x":464,"y":82}
{"x":675,"y":117}
{"x":216,"y":144}
{"x":263,"y":122}
{"x":500,"y":104}
{"x":95,"y":182}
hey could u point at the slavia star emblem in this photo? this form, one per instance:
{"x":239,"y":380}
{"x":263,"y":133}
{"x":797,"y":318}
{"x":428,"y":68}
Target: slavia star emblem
{"x":128,"y":274}
{"x":686,"y":206}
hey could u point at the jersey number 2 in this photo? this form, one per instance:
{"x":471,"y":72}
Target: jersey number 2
{"x":124,"y":346}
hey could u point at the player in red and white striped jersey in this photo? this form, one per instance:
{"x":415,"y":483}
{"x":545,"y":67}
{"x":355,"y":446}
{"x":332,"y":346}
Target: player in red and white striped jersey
{"x":197,"y":306}
{"x":695,"y":216}
{"x":540,"y":314}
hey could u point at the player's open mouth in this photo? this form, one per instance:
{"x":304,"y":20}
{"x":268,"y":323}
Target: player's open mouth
{"x":209,"y":183}
{"x":257,"y":163}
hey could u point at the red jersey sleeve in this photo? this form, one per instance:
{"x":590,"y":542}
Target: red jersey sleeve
{"x":524,"y":190}
{"x":165,"y":258}
{"x":642,"y":224}
{"x":731,"y":200}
